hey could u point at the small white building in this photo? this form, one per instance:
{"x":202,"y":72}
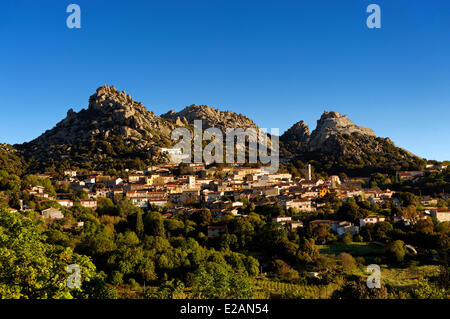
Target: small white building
{"x":52,"y":213}
{"x":287,"y":222}
{"x":302,"y":205}
{"x":371,"y":220}
{"x":89,"y":203}
{"x":281,"y":219}
{"x":175,"y":154}
{"x":39,"y":189}
{"x":65,"y":202}
{"x":442,"y":214}
{"x":347,"y":227}
{"x":158,"y":202}
{"x":70,"y":173}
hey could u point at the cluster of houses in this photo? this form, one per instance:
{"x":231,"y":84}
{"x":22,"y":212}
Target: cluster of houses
{"x":157,"y":186}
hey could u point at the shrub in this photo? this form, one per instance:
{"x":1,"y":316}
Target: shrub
{"x":347,"y":238}
{"x":347,"y":262}
{"x":396,"y":250}
{"x":116,"y":278}
{"x":133,"y":284}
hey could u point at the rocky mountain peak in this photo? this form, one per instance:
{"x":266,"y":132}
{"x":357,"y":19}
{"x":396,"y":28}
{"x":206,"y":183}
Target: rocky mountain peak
{"x":108,"y":99}
{"x":331,"y":114}
{"x":339,"y":145}
{"x":336,"y":121}
{"x":300,"y":130}
{"x":211,"y":117}
{"x":331,"y":124}
{"x":296,"y":137}
{"x":109,"y":113}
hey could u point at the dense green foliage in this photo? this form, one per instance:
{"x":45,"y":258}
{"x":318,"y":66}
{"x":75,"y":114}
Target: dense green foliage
{"x":11,"y":160}
{"x":32,"y":268}
{"x":127,"y":252}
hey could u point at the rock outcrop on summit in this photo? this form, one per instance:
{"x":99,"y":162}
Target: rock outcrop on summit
{"x":110,"y":112}
{"x":299,"y":131}
{"x":223,"y":120}
{"x":331,"y":124}
{"x":337,"y":144}
{"x":113,"y":127}
{"x":211,"y":117}
{"x":295,"y":138}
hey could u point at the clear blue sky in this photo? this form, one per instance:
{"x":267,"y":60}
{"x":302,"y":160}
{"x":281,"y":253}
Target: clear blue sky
{"x":276,"y":61}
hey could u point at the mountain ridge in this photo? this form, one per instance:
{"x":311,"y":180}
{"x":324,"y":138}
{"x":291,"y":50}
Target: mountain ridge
{"x":211,"y":117}
{"x":337,"y":144}
{"x":115,"y":130}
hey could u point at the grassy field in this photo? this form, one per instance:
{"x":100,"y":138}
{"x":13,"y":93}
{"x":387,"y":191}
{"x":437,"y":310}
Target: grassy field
{"x":403,"y":277}
{"x":407,"y":277}
{"x":355,"y":249}
{"x":265,"y":288}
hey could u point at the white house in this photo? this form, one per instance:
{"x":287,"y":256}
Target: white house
{"x":303,"y":205}
{"x":70,"y":173}
{"x":65,"y":202}
{"x":52,"y":213}
{"x":89,"y":203}
{"x":280,"y":219}
{"x":371,"y":220}
{"x":442,"y":214}
{"x":176,"y":155}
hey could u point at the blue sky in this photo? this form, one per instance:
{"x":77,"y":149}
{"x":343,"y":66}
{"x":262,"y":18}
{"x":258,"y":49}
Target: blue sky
{"x":277,"y":62}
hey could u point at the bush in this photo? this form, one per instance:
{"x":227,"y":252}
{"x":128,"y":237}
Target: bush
{"x":360,"y":260}
{"x":356,"y":288}
{"x":396,"y":251}
{"x":347,"y":238}
{"x":347,"y":262}
{"x":116,"y":278}
{"x":332,"y":238}
{"x":133,"y":284}
{"x":425,"y":290}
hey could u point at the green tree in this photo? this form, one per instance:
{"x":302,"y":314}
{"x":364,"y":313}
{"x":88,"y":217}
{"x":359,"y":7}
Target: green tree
{"x":350,"y":211}
{"x":425,"y":290}
{"x":221,"y":283}
{"x":202,"y":218}
{"x":320,"y":232}
{"x":347,"y":262}
{"x":154,"y":224}
{"x":347,"y":238}
{"x":9,"y":182}
{"x":31,"y":268}
{"x":170,"y":289}
{"x":33,"y":180}
{"x":139,"y":225}
{"x":308,"y":252}
{"x":396,"y":250}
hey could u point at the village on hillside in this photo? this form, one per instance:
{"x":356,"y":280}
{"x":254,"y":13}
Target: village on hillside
{"x":223,"y":192}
